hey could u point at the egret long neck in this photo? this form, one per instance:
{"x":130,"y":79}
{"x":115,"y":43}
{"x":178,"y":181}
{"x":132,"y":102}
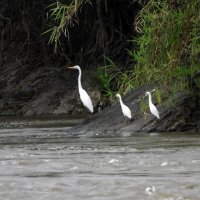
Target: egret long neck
{"x":79,"y":80}
{"x":150,"y":100}
{"x":120,"y":100}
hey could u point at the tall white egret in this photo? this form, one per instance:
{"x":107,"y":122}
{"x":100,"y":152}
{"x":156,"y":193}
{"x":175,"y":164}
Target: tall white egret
{"x":85,"y":98}
{"x":152,"y":107}
{"x":125,"y":109}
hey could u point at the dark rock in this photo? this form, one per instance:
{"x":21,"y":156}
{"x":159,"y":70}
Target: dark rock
{"x":44,"y":90}
{"x":112,"y":121}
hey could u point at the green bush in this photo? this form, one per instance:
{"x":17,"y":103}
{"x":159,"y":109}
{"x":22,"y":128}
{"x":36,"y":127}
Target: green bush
{"x":168,"y":45}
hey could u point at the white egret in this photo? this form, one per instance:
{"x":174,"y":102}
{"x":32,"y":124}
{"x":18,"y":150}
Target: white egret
{"x":125,"y":109}
{"x":152,"y":107}
{"x":85,"y":98}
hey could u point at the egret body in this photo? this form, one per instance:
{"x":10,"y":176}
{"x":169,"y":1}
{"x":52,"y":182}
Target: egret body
{"x":152,"y":107}
{"x":125,"y":109}
{"x":85,"y":98}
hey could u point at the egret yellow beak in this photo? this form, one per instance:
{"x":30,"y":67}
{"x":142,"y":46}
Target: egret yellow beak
{"x":71,"y":67}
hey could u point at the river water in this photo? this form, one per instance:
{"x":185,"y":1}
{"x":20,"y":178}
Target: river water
{"x":38,"y":161}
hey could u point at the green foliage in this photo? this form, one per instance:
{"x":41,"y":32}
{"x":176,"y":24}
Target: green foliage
{"x":168,"y":45}
{"x":112,"y":80}
{"x":61,"y":17}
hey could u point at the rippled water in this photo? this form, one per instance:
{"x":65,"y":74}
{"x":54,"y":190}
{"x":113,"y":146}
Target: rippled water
{"x":42,"y":162}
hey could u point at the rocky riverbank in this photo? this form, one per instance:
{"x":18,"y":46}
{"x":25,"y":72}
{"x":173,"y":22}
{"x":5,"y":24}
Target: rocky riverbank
{"x":183,"y":116}
{"x":53,"y":91}
{"x":42,"y":91}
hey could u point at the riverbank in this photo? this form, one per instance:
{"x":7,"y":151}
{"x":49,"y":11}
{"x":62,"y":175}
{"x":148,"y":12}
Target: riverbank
{"x":53,"y":91}
{"x":182,"y":116}
{"x":47,"y":91}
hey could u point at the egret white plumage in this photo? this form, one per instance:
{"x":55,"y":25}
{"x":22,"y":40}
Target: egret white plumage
{"x":152,"y":107}
{"x":85,"y":98}
{"x":125,"y":109}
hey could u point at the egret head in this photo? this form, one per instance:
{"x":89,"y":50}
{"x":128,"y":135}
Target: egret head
{"x":75,"y":67}
{"x":147,"y":94}
{"x":117,"y":95}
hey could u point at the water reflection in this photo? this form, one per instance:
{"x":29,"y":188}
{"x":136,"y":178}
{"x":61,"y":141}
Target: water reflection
{"x":45,"y":163}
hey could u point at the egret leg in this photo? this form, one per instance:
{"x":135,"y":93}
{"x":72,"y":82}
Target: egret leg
{"x":129,"y":121}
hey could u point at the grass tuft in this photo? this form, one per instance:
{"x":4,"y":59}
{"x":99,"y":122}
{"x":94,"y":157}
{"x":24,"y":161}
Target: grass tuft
{"x":112,"y":80}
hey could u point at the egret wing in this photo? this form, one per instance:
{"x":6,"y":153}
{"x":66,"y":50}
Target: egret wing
{"x":154,"y":111}
{"x":126,"y":111}
{"x":86,"y":100}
